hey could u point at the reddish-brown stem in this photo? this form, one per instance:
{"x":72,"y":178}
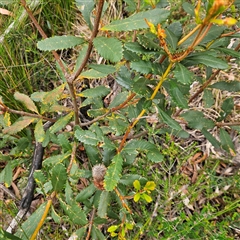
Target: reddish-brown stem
{"x":122,"y":105}
{"x":91,"y":224}
{"x":90,"y":43}
{"x":22,"y":113}
{"x":230,"y":33}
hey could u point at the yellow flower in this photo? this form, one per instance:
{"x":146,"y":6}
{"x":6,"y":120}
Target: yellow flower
{"x":161,"y":32}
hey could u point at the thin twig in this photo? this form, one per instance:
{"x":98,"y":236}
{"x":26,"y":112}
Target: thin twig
{"x":90,"y":224}
{"x":22,"y":113}
{"x":90,"y":43}
{"x":121,"y":106}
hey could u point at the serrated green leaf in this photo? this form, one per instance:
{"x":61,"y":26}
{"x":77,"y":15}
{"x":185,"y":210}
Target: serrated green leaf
{"x":87,"y":137}
{"x":109,"y":48}
{"x":177,"y":96}
{"x":39,"y":132}
{"x":182,"y":74}
{"x":136,"y":47}
{"x":81,"y":56}
{"x":140,"y":86}
{"x":139,"y":145}
{"x":143,"y":67}
{"x":61,"y":123}
{"x":6,"y":175}
{"x":188,"y":8}
{"x":113,"y":173}
{"x":86,"y":7}
{"x":231,"y":86}
{"x":176,"y":28}
{"x":128,"y":179}
{"x":130,"y":56}
{"x":118,"y":124}
{"x":86,"y":193}
{"x":137,"y":21}
{"x":103,"y":204}
{"x":211,"y":138}
{"x":92,"y":74}
{"x":155,"y":156}
{"x":55,"y":216}
{"x":75,"y":213}
{"x":120,"y":98}
{"x":26,"y":230}
{"x":228,"y":51}
{"x":124,"y":78}
{"x":56,"y":159}
{"x":207,"y":60}
{"x":168,"y":120}
{"x":92,"y":153}
{"x":38,"y":96}
{"x":81,"y":232}
{"x":107,"y":69}
{"x":135,"y":146}
{"x":18,"y":126}
{"x":226,"y":141}
{"x":171,"y":38}
{"x":98,"y":71}
{"x":208,"y":98}
{"x":227,"y":107}
{"x":59,"y":177}
{"x":64,"y":142}
{"x":26,"y":100}
{"x":59,"y":43}
{"x":197,"y":120}
{"x":55,"y":107}
{"x":97,"y":234}
{"x":214,"y":32}
{"x":99,"y":91}
{"x":148,"y":43}
{"x":220,"y":42}
{"x":54,"y":95}
{"x":39,"y":177}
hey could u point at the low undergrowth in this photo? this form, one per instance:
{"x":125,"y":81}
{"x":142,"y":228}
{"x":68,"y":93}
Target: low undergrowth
{"x":121,"y":122}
